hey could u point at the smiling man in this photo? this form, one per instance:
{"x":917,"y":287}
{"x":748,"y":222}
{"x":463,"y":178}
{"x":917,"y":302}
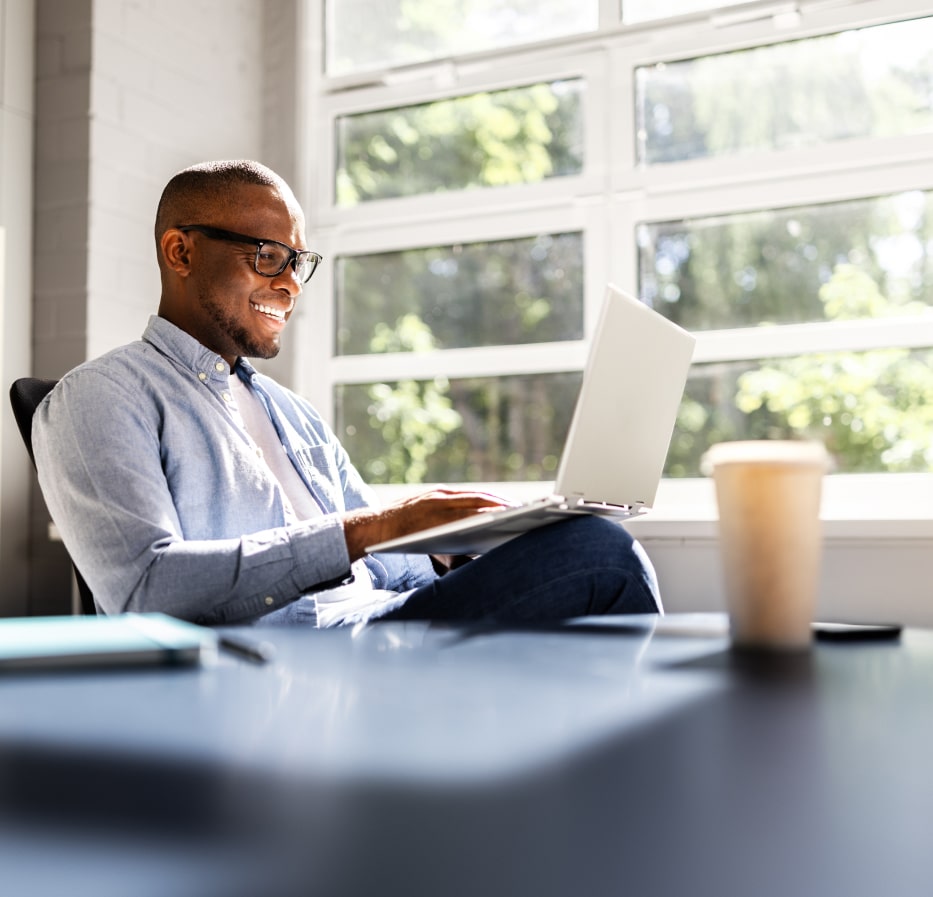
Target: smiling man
{"x":183,"y":481}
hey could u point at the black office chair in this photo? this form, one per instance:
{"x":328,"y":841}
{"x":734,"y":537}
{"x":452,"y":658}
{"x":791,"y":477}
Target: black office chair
{"x":25,"y":396}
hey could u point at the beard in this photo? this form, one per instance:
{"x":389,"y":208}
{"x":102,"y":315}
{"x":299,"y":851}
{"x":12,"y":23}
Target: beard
{"x":234,"y":333}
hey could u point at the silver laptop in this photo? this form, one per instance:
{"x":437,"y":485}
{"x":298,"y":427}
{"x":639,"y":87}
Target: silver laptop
{"x":618,"y":440}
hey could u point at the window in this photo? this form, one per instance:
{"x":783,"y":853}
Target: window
{"x":758,"y":172}
{"x":850,"y":263}
{"x":522,"y":135}
{"x":512,"y":292}
{"x":380,"y":34}
{"x":862,"y":82}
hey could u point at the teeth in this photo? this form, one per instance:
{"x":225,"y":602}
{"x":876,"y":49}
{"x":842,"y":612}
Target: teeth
{"x":268,"y":310}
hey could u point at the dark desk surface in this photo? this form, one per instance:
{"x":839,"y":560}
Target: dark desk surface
{"x":616,"y":756}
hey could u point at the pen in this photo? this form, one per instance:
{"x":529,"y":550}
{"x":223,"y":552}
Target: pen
{"x":257,"y":653}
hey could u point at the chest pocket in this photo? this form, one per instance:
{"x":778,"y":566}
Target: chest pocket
{"x":319,"y":466}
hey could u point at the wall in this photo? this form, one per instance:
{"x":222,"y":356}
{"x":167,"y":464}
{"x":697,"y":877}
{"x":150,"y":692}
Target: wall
{"x":862,"y":579}
{"x":16,"y":149}
{"x":128,"y":93}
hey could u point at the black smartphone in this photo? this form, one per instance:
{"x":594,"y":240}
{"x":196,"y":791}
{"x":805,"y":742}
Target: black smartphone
{"x":857,"y":632}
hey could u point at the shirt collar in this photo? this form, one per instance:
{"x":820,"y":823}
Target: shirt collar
{"x":183,"y":348}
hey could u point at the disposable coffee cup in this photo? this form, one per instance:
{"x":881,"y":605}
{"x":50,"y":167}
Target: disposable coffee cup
{"x":768,"y":493}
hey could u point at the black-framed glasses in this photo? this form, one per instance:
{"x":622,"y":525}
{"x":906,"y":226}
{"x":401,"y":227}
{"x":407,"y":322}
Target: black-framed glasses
{"x":272,"y":257}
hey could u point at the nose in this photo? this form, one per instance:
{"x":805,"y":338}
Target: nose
{"x":287,"y":281}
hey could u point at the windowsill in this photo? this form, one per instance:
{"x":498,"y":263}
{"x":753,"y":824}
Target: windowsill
{"x":855,"y":506}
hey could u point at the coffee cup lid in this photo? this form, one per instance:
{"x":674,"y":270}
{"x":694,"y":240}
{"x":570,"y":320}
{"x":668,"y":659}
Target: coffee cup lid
{"x":765,"y":451}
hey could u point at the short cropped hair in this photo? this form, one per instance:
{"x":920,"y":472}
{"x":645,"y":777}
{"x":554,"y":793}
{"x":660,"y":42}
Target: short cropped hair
{"x":208,"y":185}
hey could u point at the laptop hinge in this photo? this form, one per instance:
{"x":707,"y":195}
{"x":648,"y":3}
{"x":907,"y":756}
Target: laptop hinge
{"x":579,"y":503}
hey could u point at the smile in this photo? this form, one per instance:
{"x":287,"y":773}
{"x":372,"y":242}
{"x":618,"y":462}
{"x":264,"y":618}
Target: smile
{"x":277,"y":313}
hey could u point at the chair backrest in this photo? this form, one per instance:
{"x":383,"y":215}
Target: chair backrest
{"x":25,"y":396}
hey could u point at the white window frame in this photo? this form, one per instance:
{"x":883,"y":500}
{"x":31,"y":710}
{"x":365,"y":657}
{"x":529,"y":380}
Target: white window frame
{"x":606,"y":202}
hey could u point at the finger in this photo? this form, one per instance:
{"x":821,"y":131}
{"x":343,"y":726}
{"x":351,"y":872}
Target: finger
{"x":478,"y":500}
{"x":459,"y":498}
{"x":481,"y":496}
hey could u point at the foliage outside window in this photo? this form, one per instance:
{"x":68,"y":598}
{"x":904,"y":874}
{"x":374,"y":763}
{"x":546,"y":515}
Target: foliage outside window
{"x":490,"y":139}
{"x":482,"y":294}
{"x":873,"y":410}
{"x":865,"y":82}
{"x":448,"y":431}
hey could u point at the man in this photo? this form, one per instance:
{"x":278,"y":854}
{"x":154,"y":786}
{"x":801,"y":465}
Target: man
{"x":185,"y":482}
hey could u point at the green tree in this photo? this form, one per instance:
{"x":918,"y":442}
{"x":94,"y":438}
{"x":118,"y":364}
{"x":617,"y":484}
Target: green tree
{"x":412,"y":417}
{"x":874,"y":410}
{"x":520,"y":135}
{"x":499,"y":292}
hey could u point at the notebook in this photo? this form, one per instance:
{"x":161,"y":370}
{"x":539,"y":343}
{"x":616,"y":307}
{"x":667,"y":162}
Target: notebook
{"x":618,"y":440}
{"x":38,"y":643}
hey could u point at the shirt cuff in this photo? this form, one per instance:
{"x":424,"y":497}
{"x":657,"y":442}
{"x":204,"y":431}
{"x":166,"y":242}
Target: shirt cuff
{"x":320,"y":551}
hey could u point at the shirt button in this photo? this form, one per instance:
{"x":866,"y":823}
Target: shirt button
{"x":202,"y":376}
{"x":219,"y":366}
{"x":269,"y":600}
{"x":228,"y":397}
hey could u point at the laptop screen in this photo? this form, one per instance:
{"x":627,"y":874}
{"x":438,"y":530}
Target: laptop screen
{"x":632,"y":387}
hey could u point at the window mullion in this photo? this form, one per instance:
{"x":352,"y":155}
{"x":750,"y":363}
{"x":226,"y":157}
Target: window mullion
{"x":822,"y":337}
{"x":492,"y":361}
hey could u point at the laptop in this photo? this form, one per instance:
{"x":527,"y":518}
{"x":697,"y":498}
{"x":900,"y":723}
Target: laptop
{"x":618,"y":440}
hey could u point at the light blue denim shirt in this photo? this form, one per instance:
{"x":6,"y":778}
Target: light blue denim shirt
{"x":161,"y":499}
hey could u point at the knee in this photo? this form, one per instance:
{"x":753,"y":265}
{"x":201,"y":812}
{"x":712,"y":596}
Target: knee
{"x":600,"y":536}
{"x":604,"y":544}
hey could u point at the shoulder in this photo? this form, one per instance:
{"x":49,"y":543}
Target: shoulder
{"x":122,"y":370}
{"x":128,"y":386}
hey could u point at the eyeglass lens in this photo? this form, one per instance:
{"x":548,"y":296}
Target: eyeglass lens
{"x":272,"y":259}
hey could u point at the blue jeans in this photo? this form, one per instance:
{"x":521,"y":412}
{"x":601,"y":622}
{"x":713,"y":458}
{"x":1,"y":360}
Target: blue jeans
{"x":578,"y":567}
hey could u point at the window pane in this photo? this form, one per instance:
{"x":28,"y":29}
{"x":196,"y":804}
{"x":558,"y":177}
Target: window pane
{"x":508,"y":292}
{"x":520,"y":136}
{"x":871,"y":82}
{"x":872,"y":410}
{"x":368,"y":34}
{"x":471,"y":430}
{"x":865,"y":258}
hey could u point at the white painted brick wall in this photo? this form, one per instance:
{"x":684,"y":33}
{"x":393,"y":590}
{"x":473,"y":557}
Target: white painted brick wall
{"x":128,"y":93}
{"x":61,"y":178}
{"x":17,"y":125}
{"x":172,"y":83}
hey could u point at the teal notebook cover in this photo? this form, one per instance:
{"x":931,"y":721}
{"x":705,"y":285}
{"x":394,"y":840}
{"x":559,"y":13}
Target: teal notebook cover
{"x":120,"y":640}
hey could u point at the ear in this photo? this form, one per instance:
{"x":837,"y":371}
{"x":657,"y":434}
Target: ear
{"x":176,"y":251}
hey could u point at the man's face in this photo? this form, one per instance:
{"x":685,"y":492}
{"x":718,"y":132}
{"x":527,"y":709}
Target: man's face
{"x":239,"y":311}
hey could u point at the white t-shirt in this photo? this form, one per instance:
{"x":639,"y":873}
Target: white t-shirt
{"x":258,"y":424}
{"x":334,"y":604}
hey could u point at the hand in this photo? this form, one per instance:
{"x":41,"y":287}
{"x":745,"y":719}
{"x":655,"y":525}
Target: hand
{"x":368,"y":526}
